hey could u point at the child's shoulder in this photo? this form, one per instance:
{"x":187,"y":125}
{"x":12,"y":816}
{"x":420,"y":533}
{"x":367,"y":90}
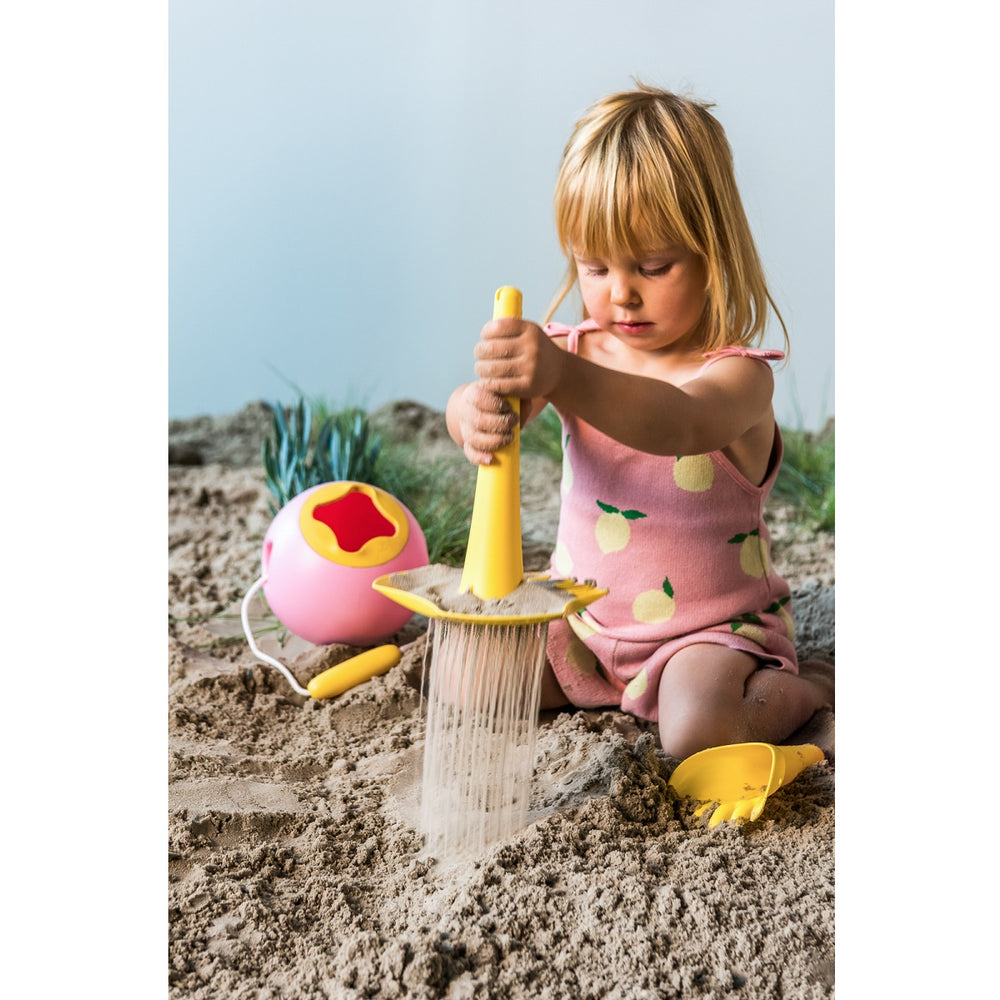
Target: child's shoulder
{"x":740,"y":381}
{"x":741,"y":363}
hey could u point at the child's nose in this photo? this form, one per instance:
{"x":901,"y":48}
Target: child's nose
{"x":622,"y":290}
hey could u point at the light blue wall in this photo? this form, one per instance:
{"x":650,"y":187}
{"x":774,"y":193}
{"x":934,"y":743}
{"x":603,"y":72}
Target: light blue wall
{"x":350,"y":182}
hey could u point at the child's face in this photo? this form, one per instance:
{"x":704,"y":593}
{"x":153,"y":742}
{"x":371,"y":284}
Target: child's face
{"x":649,"y":303}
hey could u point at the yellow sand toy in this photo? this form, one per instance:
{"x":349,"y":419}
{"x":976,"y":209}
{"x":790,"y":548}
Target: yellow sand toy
{"x":738,"y":778}
{"x":494,"y":562}
{"x":489,"y":624}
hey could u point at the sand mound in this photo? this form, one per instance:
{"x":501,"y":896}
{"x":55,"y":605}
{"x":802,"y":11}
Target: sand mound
{"x":295,"y":870}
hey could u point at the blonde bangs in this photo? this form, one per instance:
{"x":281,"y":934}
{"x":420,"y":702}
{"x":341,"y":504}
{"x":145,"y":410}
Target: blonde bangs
{"x":612,"y":206}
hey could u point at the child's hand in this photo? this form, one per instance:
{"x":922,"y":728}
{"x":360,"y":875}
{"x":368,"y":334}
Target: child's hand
{"x":515,"y":358}
{"x":485,"y":422}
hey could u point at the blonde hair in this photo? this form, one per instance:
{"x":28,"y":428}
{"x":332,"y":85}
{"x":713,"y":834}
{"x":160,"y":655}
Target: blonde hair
{"x":645,"y":169}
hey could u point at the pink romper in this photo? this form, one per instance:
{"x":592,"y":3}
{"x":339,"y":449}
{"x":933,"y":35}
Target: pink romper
{"x":682,"y":547}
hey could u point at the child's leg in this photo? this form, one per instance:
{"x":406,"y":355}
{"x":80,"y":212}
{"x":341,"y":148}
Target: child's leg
{"x":553,"y":695}
{"x":711,"y":695}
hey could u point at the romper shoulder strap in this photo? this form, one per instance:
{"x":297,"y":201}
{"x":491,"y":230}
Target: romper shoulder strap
{"x":571,"y":332}
{"x":734,"y":351}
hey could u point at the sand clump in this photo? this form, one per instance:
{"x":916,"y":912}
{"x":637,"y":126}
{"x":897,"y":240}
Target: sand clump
{"x":295,"y":868}
{"x":441,"y":586}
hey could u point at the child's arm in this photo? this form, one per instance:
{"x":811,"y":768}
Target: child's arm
{"x":707,"y":413}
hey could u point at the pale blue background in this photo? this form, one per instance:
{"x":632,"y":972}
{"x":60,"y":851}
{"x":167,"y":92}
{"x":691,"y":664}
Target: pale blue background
{"x":349,"y":183}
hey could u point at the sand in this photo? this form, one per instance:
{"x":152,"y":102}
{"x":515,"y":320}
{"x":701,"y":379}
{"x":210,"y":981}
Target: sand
{"x":295,"y":869}
{"x":541,"y":599}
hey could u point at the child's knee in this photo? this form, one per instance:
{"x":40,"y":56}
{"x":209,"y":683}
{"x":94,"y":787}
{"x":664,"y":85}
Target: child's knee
{"x":700,"y":699}
{"x":684,"y":722}
{"x":689,"y":722}
{"x":682,"y":735}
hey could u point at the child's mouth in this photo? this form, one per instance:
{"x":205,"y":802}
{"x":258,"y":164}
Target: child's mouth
{"x":633,"y":328}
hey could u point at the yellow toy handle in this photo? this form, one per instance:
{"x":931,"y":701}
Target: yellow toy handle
{"x":494,"y":563}
{"x":344,"y":676}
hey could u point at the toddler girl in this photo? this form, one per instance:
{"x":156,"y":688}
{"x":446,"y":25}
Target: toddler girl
{"x":670,"y":441}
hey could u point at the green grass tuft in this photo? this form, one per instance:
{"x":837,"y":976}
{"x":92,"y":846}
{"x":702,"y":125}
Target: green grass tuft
{"x":440,"y":500}
{"x":806,"y":480}
{"x":301,"y":453}
{"x":543,"y":436}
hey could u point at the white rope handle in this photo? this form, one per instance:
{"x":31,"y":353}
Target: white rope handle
{"x":253,"y":646}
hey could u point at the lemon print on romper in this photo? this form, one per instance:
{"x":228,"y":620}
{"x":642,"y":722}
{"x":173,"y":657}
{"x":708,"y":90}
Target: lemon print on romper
{"x":694,"y":473}
{"x":567,"y":469}
{"x":636,"y":687}
{"x":562,"y":561}
{"x":751,"y":627}
{"x":578,"y":655}
{"x":753,"y":553}
{"x":778,"y":608}
{"x":654,"y":606}
{"x":583,"y":624}
{"x":612,"y":530}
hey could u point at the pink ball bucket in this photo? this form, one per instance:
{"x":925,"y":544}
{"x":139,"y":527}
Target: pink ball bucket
{"x":322,"y":552}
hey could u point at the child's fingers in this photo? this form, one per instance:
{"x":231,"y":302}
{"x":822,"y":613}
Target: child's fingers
{"x":504,"y":329}
{"x":506,"y":377}
{"x":503,"y":369}
{"x":497,"y":351}
{"x":492,"y":427}
{"x":487,"y":424}
{"x":476,"y":456}
{"x":515,"y":358}
{"x":479,"y":446}
{"x":502,"y":384}
{"x":505,"y":340}
{"x":488,"y":410}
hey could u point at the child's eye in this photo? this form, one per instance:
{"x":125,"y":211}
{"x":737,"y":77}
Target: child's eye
{"x":655,"y":271}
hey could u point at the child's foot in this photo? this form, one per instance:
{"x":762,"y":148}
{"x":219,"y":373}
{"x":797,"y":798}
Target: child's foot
{"x":820,"y":674}
{"x":819,"y":729}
